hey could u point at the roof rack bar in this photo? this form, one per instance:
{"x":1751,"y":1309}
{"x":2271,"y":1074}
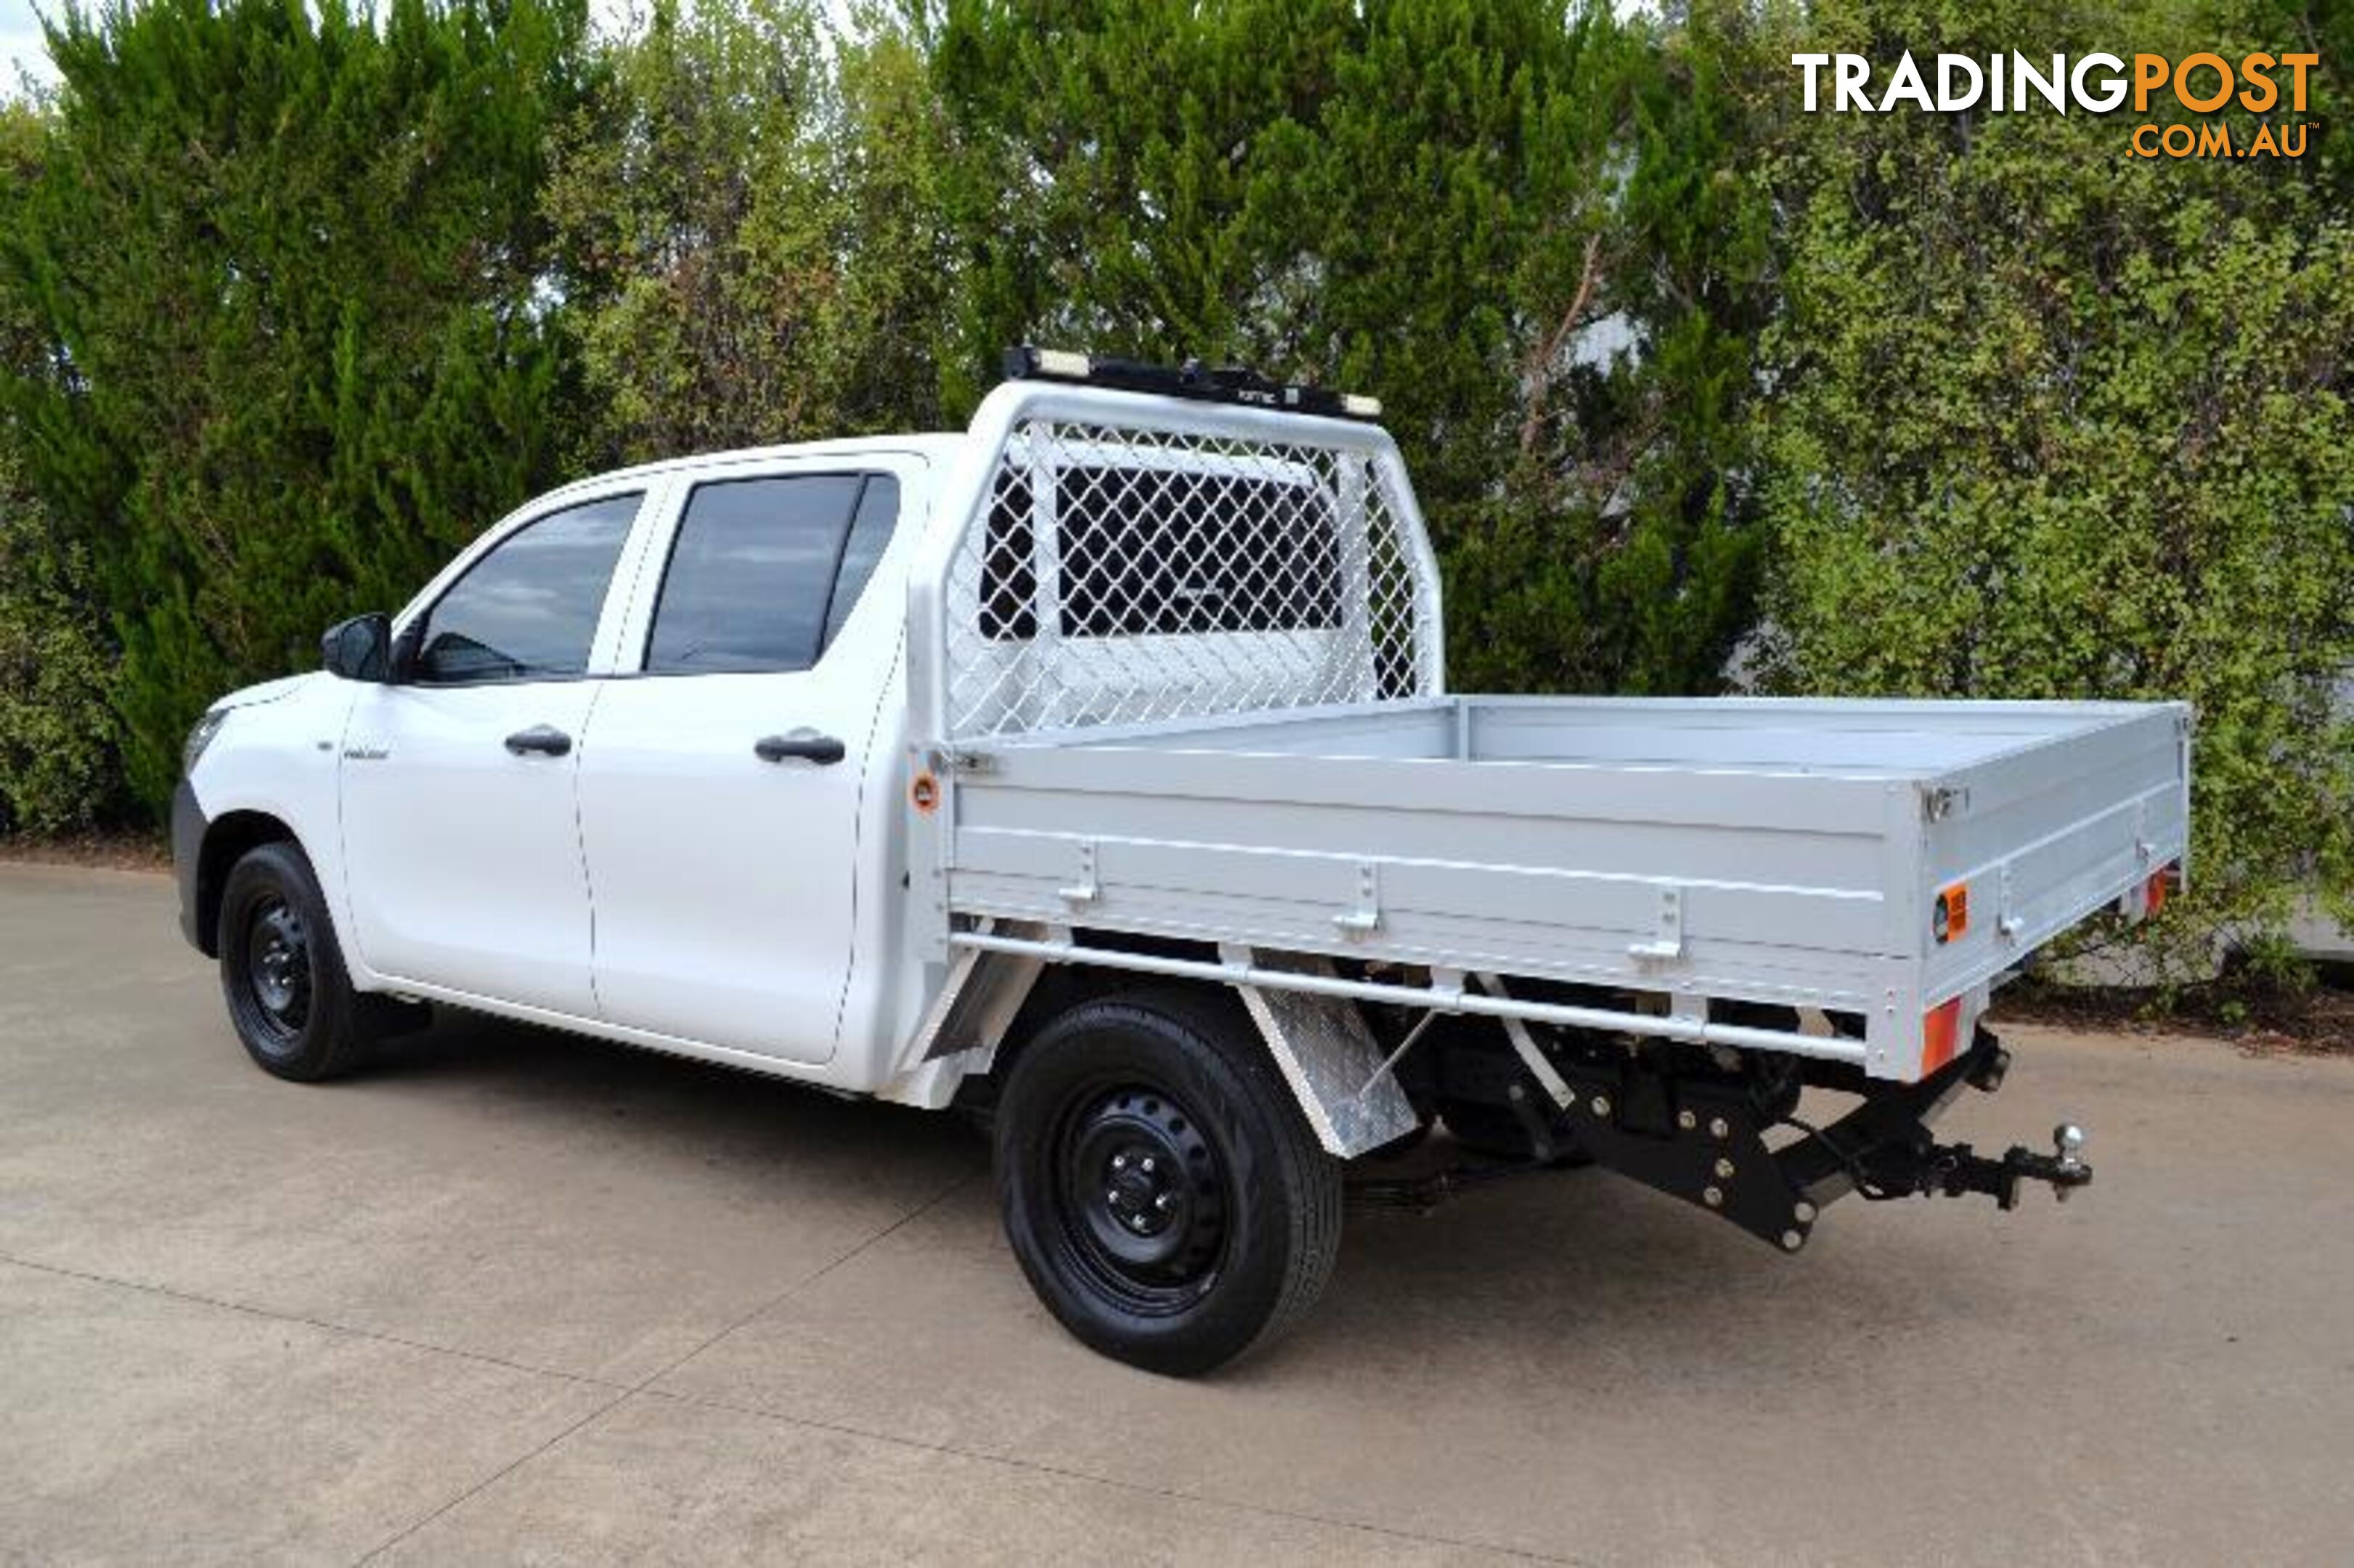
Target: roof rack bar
{"x":1206,"y":384}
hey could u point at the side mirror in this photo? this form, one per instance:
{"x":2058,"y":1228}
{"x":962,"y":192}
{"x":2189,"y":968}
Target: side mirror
{"x":359,"y":648}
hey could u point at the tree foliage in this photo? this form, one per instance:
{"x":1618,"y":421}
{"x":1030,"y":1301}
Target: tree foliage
{"x":1509,"y":222}
{"x":1698,"y":389}
{"x":57,"y":757}
{"x":2052,"y":422}
{"x":289,"y":260}
{"x":748,"y":213}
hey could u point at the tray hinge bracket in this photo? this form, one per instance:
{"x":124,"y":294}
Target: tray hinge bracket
{"x":2009,"y":921}
{"x":1366,"y":918}
{"x":1668,"y":941}
{"x":1086,"y":890}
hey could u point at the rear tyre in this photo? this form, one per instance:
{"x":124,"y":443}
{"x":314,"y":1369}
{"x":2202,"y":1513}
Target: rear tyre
{"x":282,"y":973}
{"x":1168,"y":1202}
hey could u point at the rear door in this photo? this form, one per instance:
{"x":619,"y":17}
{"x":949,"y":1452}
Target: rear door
{"x":721,"y":784}
{"x":461,"y":845}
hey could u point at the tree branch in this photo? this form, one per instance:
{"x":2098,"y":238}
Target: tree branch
{"x":1537,"y":372}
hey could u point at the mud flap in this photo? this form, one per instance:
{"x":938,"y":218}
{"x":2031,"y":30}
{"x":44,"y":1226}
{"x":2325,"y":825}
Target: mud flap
{"x":1333,"y":1062}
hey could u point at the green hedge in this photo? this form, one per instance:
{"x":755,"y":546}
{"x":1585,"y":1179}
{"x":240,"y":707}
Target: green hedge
{"x":295,"y":299}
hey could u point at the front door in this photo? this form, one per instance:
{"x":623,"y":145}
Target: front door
{"x":721,"y":784}
{"x":461,"y":837}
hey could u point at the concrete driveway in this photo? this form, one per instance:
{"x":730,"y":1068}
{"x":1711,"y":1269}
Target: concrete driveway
{"x":517,"y":1296}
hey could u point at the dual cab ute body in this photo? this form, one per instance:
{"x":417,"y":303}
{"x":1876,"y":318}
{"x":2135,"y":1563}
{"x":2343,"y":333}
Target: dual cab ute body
{"x":1096,"y":766}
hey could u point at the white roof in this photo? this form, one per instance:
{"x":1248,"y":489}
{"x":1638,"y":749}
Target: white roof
{"x":926,"y":442}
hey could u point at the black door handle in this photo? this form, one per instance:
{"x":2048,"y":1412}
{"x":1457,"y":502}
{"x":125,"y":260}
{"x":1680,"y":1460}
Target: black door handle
{"x":800,"y":746}
{"x":545,"y":739}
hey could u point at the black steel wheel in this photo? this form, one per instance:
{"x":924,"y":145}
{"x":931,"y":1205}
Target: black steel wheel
{"x":281,"y":973}
{"x":277,"y":971}
{"x":1145,"y":1197}
{"x":1165,"y":1197}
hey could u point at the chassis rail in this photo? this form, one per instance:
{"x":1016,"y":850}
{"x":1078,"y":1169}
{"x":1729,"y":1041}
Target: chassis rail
{"x":1450,"y":997}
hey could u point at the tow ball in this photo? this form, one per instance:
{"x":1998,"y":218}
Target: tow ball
{"x":1958,"y":1171}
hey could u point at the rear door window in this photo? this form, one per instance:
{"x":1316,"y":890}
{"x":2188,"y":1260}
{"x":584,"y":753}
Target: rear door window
{"x":763,"y":571}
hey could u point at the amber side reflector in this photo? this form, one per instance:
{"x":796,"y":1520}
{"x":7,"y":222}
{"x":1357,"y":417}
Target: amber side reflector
{"x":2156,"y":891}
{"x":1941,"y":1029}
{"x":924,"y":793}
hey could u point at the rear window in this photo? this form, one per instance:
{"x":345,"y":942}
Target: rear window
{"x":765,"y":571}
{"x":1165,"y":552}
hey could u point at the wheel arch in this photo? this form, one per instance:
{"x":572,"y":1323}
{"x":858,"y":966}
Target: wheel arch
{"x":1321,"y":1044}
{"x":1060,"y":987}
{"x":230,"y":838}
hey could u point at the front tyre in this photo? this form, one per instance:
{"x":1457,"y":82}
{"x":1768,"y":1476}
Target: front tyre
{"x":281,"y":971}
{"x":1161,"y":1191}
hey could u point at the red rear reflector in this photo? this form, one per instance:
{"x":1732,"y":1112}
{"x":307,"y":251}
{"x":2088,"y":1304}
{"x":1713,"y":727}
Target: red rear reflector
{"x":1941,"y":1029}
{"x":2154,"y":894}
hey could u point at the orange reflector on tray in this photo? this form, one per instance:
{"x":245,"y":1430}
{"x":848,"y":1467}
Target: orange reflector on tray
{"x":1941,"y":1029}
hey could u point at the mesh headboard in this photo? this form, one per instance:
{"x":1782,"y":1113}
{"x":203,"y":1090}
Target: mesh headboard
{"x":1115,"y":573}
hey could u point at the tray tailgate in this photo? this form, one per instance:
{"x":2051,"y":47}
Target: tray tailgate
{"x":2019,"y":848}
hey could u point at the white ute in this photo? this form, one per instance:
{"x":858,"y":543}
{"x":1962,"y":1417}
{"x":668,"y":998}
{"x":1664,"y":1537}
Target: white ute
{"x":1094,"y":769}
